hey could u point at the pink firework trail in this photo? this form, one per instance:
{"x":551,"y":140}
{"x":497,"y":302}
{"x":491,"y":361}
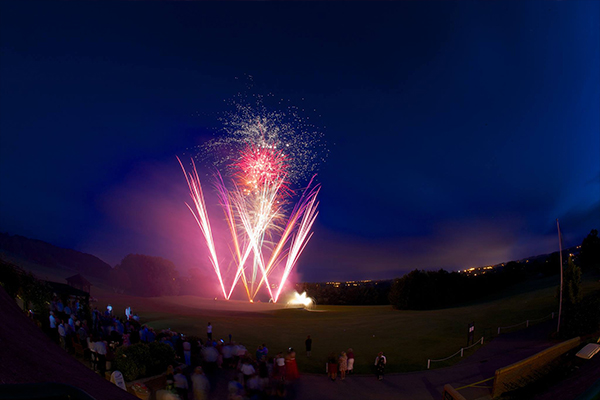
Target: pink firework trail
{"x":254,"y":209}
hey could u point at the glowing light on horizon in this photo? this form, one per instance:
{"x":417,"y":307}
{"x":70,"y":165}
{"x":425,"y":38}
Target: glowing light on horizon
{"x":301,"y":299}
{"x":262,"y":156}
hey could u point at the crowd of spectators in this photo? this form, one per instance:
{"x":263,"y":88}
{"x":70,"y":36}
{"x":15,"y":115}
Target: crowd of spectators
{"x":258,"y":375}
{"x":96,"y":339}
{"x":255,"y":375}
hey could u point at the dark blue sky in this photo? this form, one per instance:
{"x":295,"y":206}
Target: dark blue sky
{"x":458,"y":132}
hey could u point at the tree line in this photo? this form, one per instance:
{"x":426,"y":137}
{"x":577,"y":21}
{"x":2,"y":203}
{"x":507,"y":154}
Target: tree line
{"x":424,"y":290}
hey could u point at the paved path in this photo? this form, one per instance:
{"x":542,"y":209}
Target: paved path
{"x":424,"y":385}
{"x":502,"y":351}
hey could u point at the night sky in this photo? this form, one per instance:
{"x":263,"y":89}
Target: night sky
{"x":458,"y":132}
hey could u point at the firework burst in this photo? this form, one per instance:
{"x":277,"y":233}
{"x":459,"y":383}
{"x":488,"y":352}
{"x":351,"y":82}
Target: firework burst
{"x":262,"y":154}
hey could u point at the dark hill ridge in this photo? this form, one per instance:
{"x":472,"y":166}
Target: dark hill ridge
{"x":48,"y":255}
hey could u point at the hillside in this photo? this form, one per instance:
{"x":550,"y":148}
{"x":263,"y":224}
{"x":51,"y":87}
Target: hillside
{"x":25,"y":250}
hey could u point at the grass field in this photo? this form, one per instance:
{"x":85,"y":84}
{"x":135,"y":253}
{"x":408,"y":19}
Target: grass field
{"x":408,"y":338}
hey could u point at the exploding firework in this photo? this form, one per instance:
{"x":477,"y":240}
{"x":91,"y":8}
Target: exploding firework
{"x":261,"y":156}
{"x":301,"y":300}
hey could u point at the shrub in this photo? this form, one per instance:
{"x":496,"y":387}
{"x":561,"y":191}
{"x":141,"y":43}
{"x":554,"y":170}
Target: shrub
{"x":141,"y":359}
{"x":127,"y":366}
{"x":134,"y":360}
{"x":582,"y":318}
{"x":162,"y":355}
{"x":140,"y":354}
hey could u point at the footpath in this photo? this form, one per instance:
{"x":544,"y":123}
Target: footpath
{"x":503,"y":350}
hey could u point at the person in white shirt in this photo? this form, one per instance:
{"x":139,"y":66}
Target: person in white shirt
{"x":247,"y":369}
{"x":280,"y":362}
{"x":100,"y":348}
{"x":62,"y":333}
{"x":380,"y":362}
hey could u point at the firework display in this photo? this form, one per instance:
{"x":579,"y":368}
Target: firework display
{"x":259,"y":161}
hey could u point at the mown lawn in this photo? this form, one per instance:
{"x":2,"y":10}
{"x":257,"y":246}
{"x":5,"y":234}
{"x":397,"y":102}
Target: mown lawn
{"x":408,"y":338}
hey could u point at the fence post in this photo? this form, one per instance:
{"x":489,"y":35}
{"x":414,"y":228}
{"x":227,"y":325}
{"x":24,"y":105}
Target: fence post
{"x":428,"y":363}
{"x":461,"y":351}
{"x":527,"y":326}
{"x":498,"y":330}
{"x":482,"y":340}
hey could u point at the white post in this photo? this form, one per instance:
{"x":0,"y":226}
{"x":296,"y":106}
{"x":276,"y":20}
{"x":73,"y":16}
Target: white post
{"x":561,"y":275}
{"x":527,"y":326}
{"x":461,"y":351}
{"x":428,"y":363}
{"x":498,"y":330}
{"x":482,"y":340}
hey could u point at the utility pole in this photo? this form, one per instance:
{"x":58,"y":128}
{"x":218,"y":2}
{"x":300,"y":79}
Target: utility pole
{"x":561,"y":275}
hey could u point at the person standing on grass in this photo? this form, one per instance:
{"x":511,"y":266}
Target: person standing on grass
{"x":291,"y":367}
{"x":380,"y":362}
{"x":350,"y":354}
{"x":209,"y":331}
{"x":280,"y":363}
{"x":343,"y":365}
{"x":308,"y":344}
{"x":332,"y":366}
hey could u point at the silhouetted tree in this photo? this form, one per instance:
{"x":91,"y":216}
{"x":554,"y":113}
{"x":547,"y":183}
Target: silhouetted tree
{"x":149,"y":276}
{"x":590,"y":251}
{"x":571,"y":284}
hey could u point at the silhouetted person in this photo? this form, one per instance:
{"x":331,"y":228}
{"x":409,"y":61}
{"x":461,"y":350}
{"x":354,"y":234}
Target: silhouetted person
{"x":308,"y":344}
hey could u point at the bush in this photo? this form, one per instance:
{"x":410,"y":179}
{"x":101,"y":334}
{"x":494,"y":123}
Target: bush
{"x":583,"y":317}
{"x":134,"y":360}
{"x":10,"y":279}
{"x":127,"y":366}
{"x":162,"y":355}
{"x":17,"y":282}
{"x":141,"y":359}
